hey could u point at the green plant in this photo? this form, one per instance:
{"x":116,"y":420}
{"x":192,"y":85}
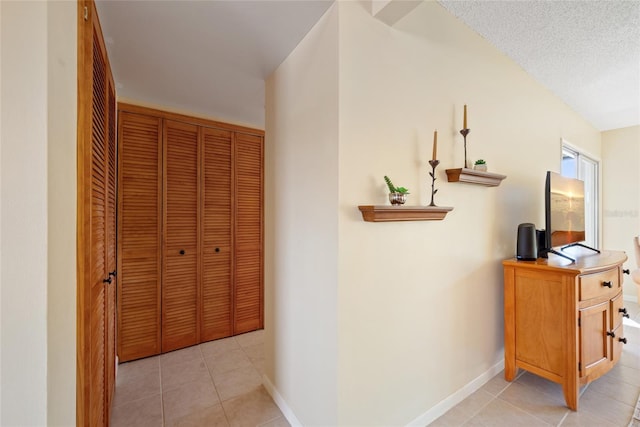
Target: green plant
{"x":393,"y":188}
{"x":480,"y":162}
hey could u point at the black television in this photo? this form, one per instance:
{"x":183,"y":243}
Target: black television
{"x":564,"y":214}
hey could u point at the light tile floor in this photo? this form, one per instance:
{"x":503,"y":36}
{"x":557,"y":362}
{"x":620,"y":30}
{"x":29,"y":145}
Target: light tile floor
{"x":218,"y":383}
{"x":533,"y":401}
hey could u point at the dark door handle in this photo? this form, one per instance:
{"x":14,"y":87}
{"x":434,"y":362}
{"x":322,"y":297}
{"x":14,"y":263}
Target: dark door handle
{"x":107,"y":280}
{"x":607,"y":284}
{"x":217,"y":249}
{"x":113,"y":273}
{"x":181,"y":251}
{"x":622,"y":340}
{"x":626,"y":271}
{"x":611,"y":334}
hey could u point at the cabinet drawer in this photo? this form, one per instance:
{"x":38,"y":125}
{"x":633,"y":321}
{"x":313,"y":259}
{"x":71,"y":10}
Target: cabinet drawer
{"x":600,"y":284}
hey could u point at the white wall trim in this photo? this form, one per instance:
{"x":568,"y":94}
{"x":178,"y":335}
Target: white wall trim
{"x":629,"y":297}
{"x":282,"y":404}
{"x":443,"y":406}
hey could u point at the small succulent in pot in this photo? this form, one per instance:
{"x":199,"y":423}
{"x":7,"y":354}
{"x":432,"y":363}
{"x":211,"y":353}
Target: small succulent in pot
{"x":397,"y":195}
{"x":480,"y":165}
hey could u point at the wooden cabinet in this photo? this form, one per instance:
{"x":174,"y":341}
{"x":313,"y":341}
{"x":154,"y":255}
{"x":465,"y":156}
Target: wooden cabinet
{"x":563,"y":321}
{"x":191,"y":231}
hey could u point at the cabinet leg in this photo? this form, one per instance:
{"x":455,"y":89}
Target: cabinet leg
{"x":510,"y":370}
{"x":570,"y":391}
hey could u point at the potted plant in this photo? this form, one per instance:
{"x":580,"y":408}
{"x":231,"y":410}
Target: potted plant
{"x":480,"y":165}
{"x":397,"y":195}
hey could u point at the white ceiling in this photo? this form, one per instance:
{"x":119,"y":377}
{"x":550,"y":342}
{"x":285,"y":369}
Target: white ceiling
{"x":212,"y":57}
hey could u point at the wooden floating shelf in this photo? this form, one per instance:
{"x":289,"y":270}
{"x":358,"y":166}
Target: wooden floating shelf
{"x":385,"y":213}
{"x":473,"y":176}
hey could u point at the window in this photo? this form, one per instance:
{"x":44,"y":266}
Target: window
{"x":576,"y":164}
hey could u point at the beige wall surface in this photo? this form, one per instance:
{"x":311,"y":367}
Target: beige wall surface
{"x":419,"y":304}
{"x":38,"y":213}
{"x":62,"y":211}
{"x":621,"y":195}
{"x":301,"y":226}
{"x":23,"y":227}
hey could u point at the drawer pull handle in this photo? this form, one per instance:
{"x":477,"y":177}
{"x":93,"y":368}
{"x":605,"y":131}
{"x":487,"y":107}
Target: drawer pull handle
{"x":611,"y":334}
{"x":622,"y":340}
{"x":607,"y":284}
{"x":626,"y":271}
{"x":107,"y":280}
{"x":624,"y":312}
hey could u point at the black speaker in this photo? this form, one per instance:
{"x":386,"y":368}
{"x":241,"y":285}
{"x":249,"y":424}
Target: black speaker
{"x":527,"y":242}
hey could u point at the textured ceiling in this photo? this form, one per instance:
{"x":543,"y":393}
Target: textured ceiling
{"x":211,"y":57}
{"x":586,"y":52}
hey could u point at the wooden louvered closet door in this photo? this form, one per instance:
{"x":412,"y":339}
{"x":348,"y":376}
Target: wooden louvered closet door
{"x":248,"y":292}
{"x":139,"y":235}
{"x":96,"y":222}
{"x":216,"y":302}
{"x":110,"y":234}
{"x":180,"y":275}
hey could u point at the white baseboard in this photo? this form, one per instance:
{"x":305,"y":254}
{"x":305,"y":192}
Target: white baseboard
{"x":282,"y":404}
{"x":630,"y":297}
{"x":443,"y":406}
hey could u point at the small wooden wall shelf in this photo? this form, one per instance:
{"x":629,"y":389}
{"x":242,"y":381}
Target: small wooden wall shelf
{"x":385,"y":213}
{"x":473,"y":176}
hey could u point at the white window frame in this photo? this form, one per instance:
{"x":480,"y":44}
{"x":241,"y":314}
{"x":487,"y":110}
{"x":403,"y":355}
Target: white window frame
{"x":592,"y":207}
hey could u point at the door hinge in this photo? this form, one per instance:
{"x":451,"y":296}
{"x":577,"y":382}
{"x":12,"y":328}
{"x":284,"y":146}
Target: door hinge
{"x":86,"y":13}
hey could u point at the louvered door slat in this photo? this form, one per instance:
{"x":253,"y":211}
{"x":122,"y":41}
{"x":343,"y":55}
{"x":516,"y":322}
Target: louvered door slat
{"x":248,"y":293}
{"x":97,"y":393}
{"x":216,"y":301}
{"x":110,"y":300}
{"x":180,"y":290}
{"x":139,"y":226}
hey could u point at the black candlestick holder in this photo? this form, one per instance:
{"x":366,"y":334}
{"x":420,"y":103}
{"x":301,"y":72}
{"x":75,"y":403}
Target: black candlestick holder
{"x":464,"y":133}
{"x":434,"y":164}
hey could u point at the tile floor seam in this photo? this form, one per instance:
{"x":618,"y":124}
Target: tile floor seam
{"x":525,"y":411}
{"x":209,"y":370}
{"x":566,"y":414}
{"x":482,"y":407}
{"x":161,"y":392}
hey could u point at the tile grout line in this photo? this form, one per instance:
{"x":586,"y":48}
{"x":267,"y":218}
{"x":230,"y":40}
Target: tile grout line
{"x":226,"y":417}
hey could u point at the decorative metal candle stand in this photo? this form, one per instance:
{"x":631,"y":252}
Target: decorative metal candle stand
{"x":464,"y":133}
{"x":434,"y":164}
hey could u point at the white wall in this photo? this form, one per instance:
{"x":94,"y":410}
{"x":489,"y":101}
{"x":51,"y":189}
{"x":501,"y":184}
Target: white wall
{"x":301,"y":227}
{"x":62,"y":209}
{"x":621,"y":195}
{"x":419,"y":303}
{"x":23,"y":249}
{"x":38,"y":213}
